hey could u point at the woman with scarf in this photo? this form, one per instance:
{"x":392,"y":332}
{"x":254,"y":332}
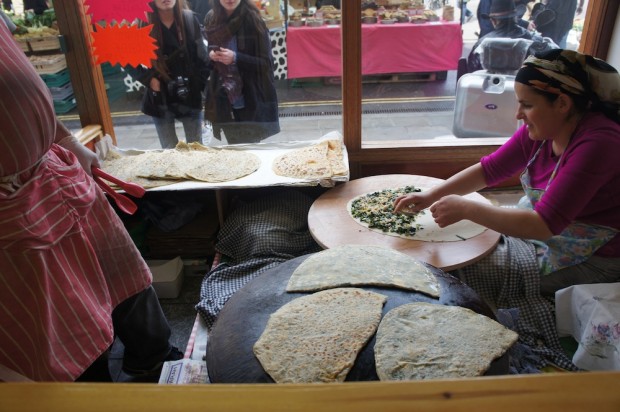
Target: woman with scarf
{"x":241,"y":97}
{"x":175,"y":83}
{"x":71,"y":277}
{"x":565,"y":231}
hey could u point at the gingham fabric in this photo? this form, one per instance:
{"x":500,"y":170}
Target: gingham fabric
{"x":256,"y":237}
{"x":509,"y":278}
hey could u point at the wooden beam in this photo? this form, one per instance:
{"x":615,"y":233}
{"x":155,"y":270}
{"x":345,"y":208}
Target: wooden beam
{"x":598,"y":27}
{"x":352,"y":79}
{"x":86,"y":76}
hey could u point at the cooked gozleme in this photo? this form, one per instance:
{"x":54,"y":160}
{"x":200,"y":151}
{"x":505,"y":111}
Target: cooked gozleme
{"x":185,"y":162}
{"x":362,"y":265}
{"x":320,"y":161}
{"x":317,"y":337}
{"x":430,"y":341}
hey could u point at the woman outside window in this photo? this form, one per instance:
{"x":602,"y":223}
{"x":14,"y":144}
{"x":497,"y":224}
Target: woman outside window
{"x":241,"y":97}
{"x":176,"y":81}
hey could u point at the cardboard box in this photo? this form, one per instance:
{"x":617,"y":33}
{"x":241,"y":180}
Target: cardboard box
{"x":167,"y":277}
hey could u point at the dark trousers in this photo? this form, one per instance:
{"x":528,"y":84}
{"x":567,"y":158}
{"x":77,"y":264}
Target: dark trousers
{"x":142,"y":327}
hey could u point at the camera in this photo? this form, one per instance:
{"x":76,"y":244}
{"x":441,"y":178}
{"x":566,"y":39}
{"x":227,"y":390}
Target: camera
{"x":178,"y":88}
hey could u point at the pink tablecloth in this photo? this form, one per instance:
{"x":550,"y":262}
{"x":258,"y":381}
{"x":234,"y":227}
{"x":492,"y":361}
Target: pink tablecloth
{"x":394,"y":48}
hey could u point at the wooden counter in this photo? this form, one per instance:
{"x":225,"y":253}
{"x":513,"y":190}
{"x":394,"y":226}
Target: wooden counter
{"x":529,"y":393}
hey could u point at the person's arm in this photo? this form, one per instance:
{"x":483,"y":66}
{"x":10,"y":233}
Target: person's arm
{"x":521,"y":223}
{"x":464,"y":182}
{"x":448,"y":206}
{"x":9,"y":23}
{"x":85,"y":156}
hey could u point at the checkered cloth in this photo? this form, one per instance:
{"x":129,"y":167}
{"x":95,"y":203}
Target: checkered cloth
{"x":255,"y":238}
{"x":509,"y":279}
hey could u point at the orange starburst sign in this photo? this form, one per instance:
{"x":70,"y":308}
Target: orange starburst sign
{"x":124,"y":44}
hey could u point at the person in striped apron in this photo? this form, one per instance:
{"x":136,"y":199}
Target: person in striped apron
{"x":71,"y":279}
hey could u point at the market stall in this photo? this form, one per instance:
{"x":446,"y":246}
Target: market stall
{"x":386,"y":48}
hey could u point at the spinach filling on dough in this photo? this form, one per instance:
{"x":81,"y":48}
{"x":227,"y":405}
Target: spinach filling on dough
{"x":376,"y":209}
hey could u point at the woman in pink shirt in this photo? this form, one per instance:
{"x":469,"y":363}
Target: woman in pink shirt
{"x":71,"y":279}
{"x":565,"y":231}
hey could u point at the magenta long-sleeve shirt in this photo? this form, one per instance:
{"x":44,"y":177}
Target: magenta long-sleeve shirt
{"x":586,"y":187}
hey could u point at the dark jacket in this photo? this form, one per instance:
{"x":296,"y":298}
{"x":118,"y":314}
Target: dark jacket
{"x":563,"y":22}
{"x":510,"y":29}
{"x":201,"y":8}
{"x":254,"y":74}
{"x":190,"y":65}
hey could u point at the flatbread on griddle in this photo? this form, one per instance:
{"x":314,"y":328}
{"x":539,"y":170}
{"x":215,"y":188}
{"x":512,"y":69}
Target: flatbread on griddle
{"x":431,"y":341}
{"x":317,"y":337}
{"x":362,"y":265}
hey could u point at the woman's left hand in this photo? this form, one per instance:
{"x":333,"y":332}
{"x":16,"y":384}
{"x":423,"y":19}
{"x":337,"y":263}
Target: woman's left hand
{"x":87,"y":158}
{"x":224,"y":56}
{"x":449,"y":210}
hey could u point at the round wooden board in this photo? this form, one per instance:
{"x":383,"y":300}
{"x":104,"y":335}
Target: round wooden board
{"x":331,"y":225}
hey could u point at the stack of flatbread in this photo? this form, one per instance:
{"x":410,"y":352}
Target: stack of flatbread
{"x":320,"y":161}
{"x":316,"y":338}
{"x":185,"y":162}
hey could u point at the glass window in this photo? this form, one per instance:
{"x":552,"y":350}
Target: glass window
{"x":408,"y":90}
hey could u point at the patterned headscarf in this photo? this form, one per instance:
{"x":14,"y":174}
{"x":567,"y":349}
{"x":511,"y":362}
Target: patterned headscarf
{"x":566,"y":71}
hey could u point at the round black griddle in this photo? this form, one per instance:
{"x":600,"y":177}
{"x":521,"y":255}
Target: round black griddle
{"x":230,"y":358}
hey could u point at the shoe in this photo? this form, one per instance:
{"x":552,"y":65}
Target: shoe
{"x":152,"y":374}
{"x":468,"y":18}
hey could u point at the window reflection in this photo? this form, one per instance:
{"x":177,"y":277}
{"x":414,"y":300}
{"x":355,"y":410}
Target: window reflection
{"x":411,"y":69}
{"x":405,"y":105}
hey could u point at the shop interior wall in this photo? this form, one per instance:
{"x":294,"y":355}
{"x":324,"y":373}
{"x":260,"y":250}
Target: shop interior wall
{"x":613,"y":56}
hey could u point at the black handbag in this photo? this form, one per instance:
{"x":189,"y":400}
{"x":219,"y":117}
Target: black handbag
{"x":153,"y":103}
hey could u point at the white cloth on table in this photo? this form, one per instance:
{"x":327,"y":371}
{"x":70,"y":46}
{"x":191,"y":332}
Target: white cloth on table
{"x":591,"y":314}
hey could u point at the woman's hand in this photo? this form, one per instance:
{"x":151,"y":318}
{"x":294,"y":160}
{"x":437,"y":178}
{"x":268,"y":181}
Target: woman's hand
{"x":522,"y":223}
{"x":224,"y":56}
{"x":449,"y":210}
{"x":87,"y":158}
{"x":155,"y":84}
{"x":413,"y":202}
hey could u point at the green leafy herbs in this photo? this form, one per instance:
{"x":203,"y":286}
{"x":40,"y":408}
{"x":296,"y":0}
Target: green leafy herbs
{"x":376,"y":209}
